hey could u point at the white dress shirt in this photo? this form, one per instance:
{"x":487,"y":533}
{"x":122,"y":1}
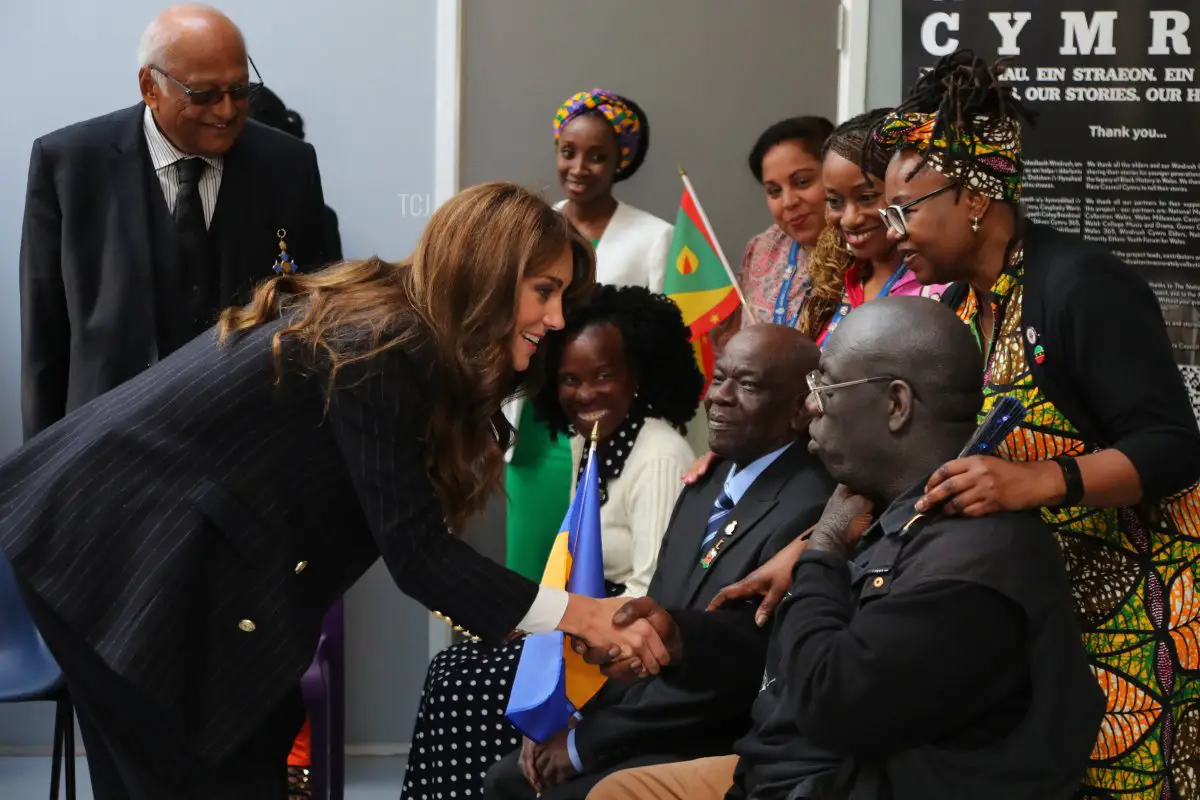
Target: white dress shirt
{"x":164,"y":156}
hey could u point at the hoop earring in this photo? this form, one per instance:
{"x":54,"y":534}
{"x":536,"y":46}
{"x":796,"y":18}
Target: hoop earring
{"x":975,"y":225}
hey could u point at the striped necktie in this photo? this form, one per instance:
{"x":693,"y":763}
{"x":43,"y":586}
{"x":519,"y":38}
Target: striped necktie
{"x":720,"y":511}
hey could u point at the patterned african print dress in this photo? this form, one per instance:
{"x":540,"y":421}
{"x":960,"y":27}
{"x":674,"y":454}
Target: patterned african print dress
{"x":1133,"y":580}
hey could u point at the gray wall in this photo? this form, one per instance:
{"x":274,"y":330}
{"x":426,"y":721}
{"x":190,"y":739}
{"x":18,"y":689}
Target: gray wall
{"x":885,"y":83}
{"x":710,"y":75}
{"x":362,"y":75}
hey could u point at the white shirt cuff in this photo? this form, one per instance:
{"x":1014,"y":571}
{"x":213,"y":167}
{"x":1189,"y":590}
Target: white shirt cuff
{"x":546,"y":612}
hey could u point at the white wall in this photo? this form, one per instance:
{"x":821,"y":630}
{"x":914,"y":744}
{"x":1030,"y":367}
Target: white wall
{"x":362,"y":76}
{"x":885,"y":83}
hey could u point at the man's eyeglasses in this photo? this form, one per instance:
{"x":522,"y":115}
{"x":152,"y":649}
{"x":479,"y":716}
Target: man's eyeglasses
{"x":816,"y":388}
{"x":210,"y":97}
{"x":894,"y":215}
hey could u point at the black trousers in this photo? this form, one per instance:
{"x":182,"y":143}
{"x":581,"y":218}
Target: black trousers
{"x":135,"y":752}
{"x":505,"y":782}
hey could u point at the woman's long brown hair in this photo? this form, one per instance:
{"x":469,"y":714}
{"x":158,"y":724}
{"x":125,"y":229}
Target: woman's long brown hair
{"x":458,"y":292}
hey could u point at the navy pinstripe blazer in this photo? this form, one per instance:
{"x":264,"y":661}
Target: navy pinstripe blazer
{"x":193,"y":525}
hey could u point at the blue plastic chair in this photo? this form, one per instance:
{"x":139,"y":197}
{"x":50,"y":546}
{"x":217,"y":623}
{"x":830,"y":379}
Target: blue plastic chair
{"x":29,"y":673}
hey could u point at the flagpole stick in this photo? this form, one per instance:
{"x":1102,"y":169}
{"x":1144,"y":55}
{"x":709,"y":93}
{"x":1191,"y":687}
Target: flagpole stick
{"x":716,"y":242}
{"x":591,"y":465}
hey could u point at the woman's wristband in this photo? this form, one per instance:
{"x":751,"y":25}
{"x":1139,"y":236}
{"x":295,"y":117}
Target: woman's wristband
{"x":1072,"y":478}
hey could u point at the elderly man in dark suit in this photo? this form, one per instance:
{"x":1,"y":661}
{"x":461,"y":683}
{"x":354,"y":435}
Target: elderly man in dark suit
{"x":930,"y":656}
{"x":141,"y":225}
{"x":764,"y":492}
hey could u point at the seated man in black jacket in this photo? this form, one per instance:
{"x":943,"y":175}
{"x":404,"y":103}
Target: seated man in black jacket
{"x":937,"y":659}
{"x":765,"y":492}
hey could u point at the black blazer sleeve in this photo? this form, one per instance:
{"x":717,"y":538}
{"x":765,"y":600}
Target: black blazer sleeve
{"x":45,"y":327}
{"x":1120,"y":363}
{"x":710,"y":639}
{"x":333,"y":236}
{"x":962,"y":643}
{"x":378,"y":422}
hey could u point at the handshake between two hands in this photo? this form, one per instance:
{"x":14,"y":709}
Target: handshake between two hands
{"x":630,"y":639}
{"x":641,"y":638}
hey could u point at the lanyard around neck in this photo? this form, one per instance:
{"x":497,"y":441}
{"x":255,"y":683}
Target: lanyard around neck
{"x":784,"y":298}
{"x":845,"y":306}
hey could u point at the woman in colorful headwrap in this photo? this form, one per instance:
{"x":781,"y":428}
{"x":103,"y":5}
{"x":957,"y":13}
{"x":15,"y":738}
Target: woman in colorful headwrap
{"x":1109,"y":453}
{"x":600,"y":138}
{"x":1110,"y":450}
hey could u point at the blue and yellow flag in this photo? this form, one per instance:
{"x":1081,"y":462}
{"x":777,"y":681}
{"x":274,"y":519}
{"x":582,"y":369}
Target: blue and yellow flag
{"x":552,"y":680}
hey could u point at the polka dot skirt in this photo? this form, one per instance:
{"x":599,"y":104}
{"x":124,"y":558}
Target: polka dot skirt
{"x":461,"y":729}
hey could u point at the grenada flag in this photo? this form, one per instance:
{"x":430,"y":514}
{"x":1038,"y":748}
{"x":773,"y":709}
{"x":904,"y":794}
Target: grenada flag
{"x":698,"y":277}
{"x":552,"y":681}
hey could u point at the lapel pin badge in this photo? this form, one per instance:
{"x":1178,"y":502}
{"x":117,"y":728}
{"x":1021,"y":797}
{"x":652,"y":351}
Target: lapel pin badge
{"x":711,"y":555}
{"x":284,"y":264}
{"x":730,"y":528}
{"x":1031,"y":335}
{"x":1039,"y":354}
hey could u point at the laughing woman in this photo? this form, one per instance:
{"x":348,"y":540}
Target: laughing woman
{"x":623,"y":362}
{"x":854,"y":261}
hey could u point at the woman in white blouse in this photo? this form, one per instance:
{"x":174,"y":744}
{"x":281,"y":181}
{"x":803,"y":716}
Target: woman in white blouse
{"x":600,"y":139}
{"x":623,"y":364}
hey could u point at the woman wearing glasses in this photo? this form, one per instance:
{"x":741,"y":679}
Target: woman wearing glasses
{"x":1109,"y":453}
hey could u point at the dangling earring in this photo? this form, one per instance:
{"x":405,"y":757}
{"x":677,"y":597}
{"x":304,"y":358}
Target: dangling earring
{"x":975,"y":225}
{"x":284,"y":264}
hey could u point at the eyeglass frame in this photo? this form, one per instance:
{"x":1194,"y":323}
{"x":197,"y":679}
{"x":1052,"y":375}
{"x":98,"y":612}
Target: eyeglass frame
{"x":245,"y":90}
{"x":815,"y":388}
{"x":901,"y":226}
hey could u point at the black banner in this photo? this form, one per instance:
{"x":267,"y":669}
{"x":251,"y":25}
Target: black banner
{"x":1115,"y":154}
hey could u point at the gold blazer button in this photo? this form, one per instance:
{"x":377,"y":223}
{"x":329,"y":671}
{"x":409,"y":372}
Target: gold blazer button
{"x":303,"y":565}
{"x":247,"y":625}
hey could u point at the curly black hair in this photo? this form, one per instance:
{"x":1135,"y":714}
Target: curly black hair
{"x":968,"y":95}
{"x":809,"y":131}
{"x":656,"y":346}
